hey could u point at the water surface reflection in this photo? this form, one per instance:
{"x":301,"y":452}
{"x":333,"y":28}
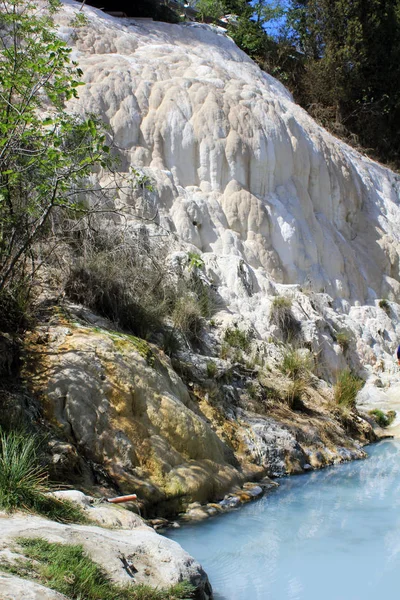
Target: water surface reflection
{"x":329,"y":535}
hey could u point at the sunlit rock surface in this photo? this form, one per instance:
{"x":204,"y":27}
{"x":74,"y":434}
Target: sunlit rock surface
{"x":138,"y":426}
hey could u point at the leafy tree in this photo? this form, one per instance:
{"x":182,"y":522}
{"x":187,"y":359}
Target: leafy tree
{"x":210,"y":9}
{"x":46,"y":153}
{"x":352,"y":67}
{"x":250,"y":31}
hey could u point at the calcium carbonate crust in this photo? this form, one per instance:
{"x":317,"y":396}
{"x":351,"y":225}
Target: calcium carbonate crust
{"x":242,"y":175}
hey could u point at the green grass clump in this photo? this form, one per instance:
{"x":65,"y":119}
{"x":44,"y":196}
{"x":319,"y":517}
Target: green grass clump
{"x":297,"y":367}
{"x":343,"y":339}
{"x":346,"y":389}
{"x":295,"y":364}
{"x":383,"y":420}
{"x":23,"y":481}
{"x":68,"y":570}
{"x":236,"y":338}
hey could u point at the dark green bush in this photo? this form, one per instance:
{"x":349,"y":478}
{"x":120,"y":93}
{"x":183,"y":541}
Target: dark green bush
{"x":15,"y":307}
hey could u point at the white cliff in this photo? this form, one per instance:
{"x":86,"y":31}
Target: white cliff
{"x":274,"y":203}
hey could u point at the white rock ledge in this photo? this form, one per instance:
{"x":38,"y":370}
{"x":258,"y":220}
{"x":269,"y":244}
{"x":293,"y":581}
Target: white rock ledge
{"x":159,"y":562}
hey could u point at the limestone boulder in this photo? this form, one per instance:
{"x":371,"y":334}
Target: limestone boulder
{"x":155,"y":560}
{"x":15,"y":588}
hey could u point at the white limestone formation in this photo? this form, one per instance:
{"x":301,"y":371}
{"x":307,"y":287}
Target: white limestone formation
{"x":242,"y":175}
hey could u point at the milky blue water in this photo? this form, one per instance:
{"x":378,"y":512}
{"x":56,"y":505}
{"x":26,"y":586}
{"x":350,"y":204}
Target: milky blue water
{"x":329,"y":535}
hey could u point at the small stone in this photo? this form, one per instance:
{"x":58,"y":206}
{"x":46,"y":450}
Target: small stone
{"x":245,"y":498}
{"x":197,"y":514}
{"x":248,"y":485}
{"x":255,"y":491}
{"x":212,"y":511}
{"x":194,"y":505}
{"x":230,"y":502}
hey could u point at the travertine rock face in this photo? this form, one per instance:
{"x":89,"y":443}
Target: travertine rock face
{"x":245,"y":175}
{"x":126,"y":409}
{"x":116,"y":400}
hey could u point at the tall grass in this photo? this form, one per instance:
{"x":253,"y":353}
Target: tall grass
{"x":282,"y":316}
{"x":186,"y":316}
{"x":24,"y":481}
{"x":297,"y":366}
{"x":343,"y":339}
{"x":346,"y":389}
{"x":67,"y":569}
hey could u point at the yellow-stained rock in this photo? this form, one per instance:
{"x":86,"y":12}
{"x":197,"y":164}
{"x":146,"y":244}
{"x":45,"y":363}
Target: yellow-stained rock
{"x":121,"y":402}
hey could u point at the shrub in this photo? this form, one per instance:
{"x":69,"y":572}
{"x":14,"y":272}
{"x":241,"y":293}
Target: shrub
{"x":346,"y":389}
{"x":195,"y":260}
{"x":47,"y":153}
{"x":121,"y":291}
{"x":15,"y":307}
{"x":67,"y":569}
{"x":126,"y":279}
{"x":383,"y":420}
{"x":236,"y":338}
{"x":23,"y":481}
{"x":282,"y":316}
{"x":170,"y":342}
{"x":210,"y":10}
{"x":252,"y":390}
